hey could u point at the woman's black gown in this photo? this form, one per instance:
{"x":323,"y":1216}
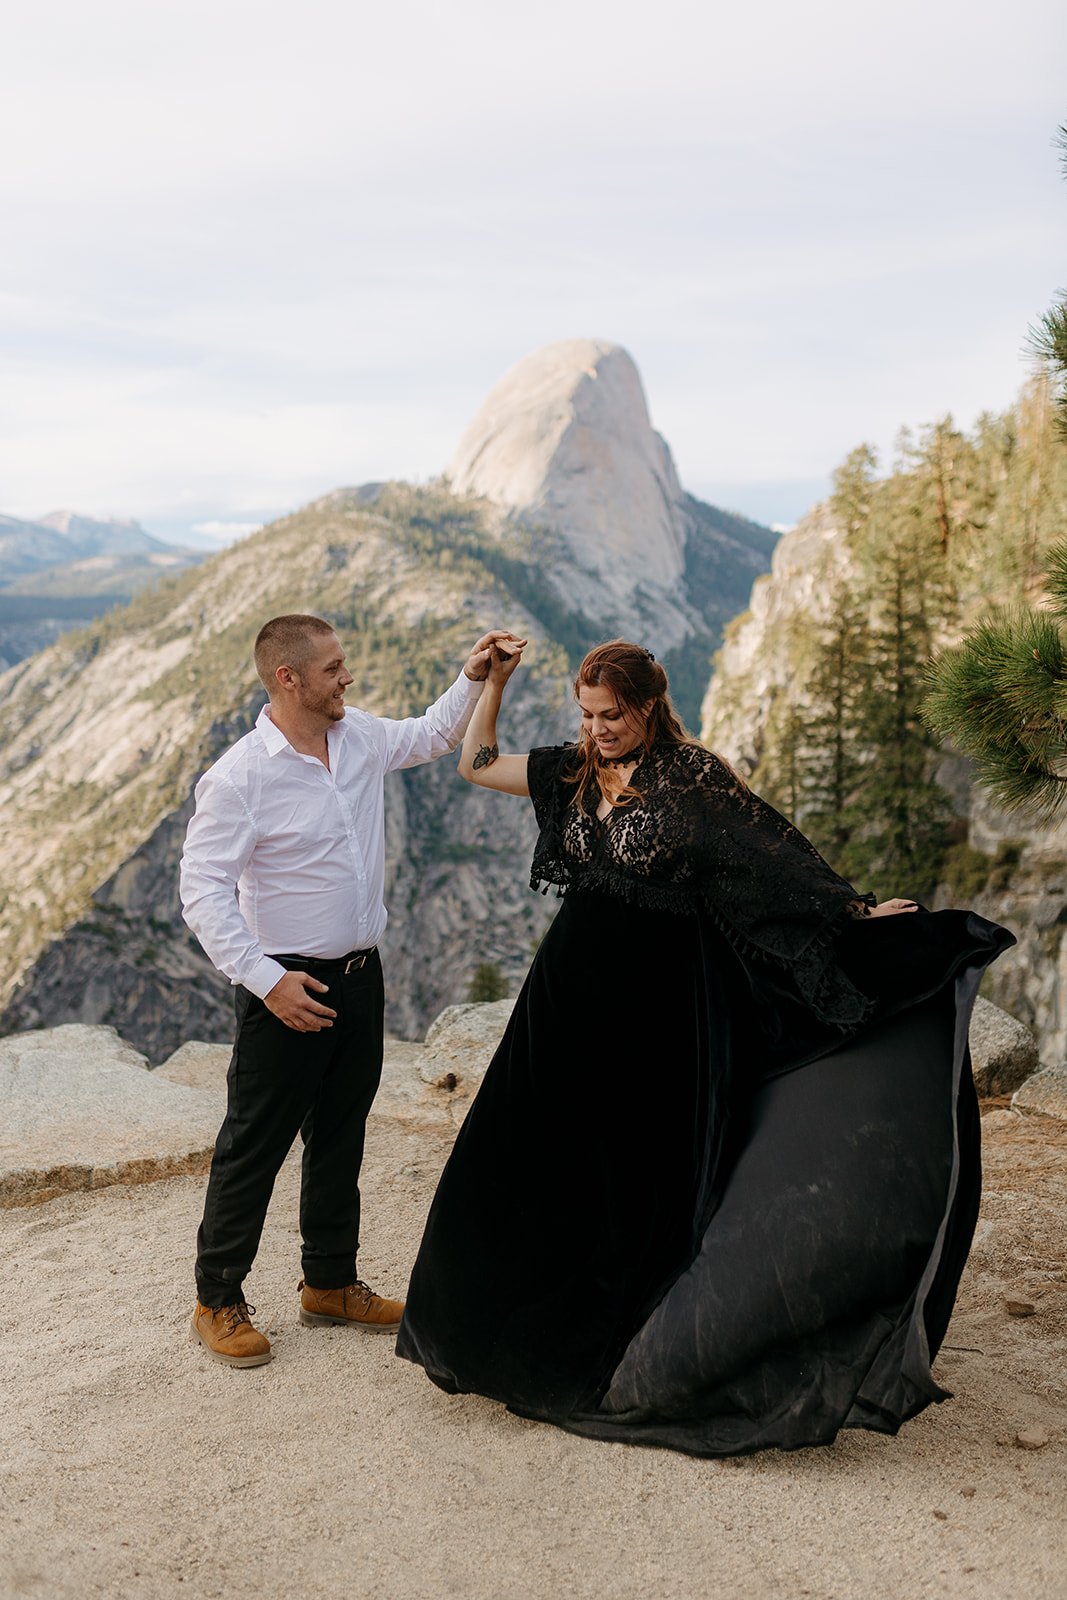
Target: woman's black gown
{"x":718,"y":1185}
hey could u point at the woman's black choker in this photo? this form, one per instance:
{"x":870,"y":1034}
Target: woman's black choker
{"x":636,"y":754}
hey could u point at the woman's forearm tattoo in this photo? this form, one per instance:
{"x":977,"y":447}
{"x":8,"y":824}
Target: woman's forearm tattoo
{"x":487,"y":754}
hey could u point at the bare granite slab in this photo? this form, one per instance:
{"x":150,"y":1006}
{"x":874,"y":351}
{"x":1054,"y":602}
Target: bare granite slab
{"x":81,"y":1110}
{"x":403,"y":1095}
{"x":1044,"y":1093}
{"x":1003,"y":1050}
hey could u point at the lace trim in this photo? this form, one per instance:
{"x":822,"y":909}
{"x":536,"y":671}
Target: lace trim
{"x":818,"y":979}
{"x":685,"y":899}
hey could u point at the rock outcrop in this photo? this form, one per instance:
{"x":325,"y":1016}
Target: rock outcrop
{"x":403,"y":1096}
{"x":565,"y":439}
{"x":82,"y":1108}
{"x":459,"y":1046}
{"x":81,"y":1111}
{"x":756,"y":661}
{"x":97,"y":785}
{"x":1003,"y":1051}
{"x":1044,"y":1093}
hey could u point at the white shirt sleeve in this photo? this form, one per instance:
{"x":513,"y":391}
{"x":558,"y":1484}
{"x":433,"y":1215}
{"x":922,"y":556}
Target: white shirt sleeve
{"x":412,"y":740}
{"x":218,"y":846}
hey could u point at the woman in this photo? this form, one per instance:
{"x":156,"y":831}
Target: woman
{"x":719,"y":1182}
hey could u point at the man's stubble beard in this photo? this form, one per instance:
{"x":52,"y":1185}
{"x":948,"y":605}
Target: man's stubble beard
{"x":323,"y":705}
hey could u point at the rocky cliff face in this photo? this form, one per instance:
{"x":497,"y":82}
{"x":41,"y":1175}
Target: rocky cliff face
{"x":564,"y":445}
{"x":102,"y":736}
{"x":565,"y":439}
{"x":1026,"y":889}
{"x":752,"y":667}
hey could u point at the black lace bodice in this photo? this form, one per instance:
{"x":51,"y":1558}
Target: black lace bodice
{"x":699,"y":841}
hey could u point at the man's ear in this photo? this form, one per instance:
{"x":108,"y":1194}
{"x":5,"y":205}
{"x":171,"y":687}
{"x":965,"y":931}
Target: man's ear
{"x":286,"y":678}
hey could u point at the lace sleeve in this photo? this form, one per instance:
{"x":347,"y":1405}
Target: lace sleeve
{"x":550,"y":796}
{"x":543,"y":778}
{"x":769,"y":889}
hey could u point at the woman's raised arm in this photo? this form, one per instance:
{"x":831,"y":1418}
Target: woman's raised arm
{"x":480,"y":761}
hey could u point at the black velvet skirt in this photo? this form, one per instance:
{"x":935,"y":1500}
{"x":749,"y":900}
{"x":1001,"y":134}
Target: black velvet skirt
{"x":677,"y":1215}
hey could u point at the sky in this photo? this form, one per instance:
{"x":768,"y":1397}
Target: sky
{"x":252,"y":252}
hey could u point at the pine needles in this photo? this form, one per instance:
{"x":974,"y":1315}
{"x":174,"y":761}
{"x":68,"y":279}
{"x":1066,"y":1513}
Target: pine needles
{"x":1000,"y":696}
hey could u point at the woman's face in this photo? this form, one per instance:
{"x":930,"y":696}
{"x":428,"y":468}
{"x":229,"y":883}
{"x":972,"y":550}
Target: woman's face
{"x":614,"y":729}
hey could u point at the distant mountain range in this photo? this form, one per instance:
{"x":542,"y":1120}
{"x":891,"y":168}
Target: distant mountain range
{"x":561,"y":516}
{"x":61,"y":571}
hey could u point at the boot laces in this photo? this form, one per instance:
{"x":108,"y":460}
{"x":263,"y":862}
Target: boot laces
{"x":237,"y":1314}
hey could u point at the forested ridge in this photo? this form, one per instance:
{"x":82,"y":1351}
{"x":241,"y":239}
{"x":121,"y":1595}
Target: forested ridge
{"x":958,"y":527}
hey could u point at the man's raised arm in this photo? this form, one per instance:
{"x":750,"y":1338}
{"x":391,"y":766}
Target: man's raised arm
{"x":410,"y":741}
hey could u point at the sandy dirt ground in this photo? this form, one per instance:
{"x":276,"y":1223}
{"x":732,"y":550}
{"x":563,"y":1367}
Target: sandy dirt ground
{"x":132,"y":1466}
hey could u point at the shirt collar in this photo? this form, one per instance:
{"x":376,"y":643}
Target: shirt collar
{"x":274,"y":739}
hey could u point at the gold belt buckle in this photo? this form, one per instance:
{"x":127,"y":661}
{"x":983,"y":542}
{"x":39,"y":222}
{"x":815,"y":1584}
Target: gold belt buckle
{"x":354,"y":962}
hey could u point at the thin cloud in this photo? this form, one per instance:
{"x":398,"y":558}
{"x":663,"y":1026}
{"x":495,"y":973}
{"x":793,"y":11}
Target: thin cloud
{"x":299,"y":255}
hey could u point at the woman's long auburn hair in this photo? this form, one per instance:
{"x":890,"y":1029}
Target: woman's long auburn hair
{"x":634,"y":677}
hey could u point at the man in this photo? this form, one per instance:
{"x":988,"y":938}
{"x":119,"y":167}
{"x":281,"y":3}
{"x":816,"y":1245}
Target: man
{"x":282,"y":881}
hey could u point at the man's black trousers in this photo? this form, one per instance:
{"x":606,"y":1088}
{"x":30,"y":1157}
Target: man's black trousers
{"x":282,"y":1083}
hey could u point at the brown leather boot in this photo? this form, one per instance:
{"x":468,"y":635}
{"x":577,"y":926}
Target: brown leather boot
{"x":227,"y":1334}
{"x":354,"y":1306}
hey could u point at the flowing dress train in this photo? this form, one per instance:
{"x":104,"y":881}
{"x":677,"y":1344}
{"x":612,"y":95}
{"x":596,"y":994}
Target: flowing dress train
{"x":690,"y":1206}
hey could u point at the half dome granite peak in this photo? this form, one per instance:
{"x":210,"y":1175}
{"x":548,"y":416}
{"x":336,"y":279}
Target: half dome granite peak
{"x":564,"y":439}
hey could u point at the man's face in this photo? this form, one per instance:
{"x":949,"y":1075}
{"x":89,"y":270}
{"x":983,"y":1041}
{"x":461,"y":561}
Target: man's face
{"x":322,"y":681}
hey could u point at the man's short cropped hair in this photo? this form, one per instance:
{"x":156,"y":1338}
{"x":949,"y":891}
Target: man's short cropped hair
{"x":286,"y":642}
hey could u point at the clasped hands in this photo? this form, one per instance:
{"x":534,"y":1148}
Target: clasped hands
{"x":495,"y":656}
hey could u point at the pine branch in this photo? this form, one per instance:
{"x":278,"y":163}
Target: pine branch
{"x":1047,"y":337}
{"x":1056,"y":578}
{"x":1001,"y":697}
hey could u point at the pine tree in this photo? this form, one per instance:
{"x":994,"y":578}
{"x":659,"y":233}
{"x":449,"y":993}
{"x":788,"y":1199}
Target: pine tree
{"x":895,"y":820}
{"x":847,"y":753}
{"x":780,"y":774}
{"x":1001,"y":697}
{"x":835,"y":736}
{"x":989,"y":569}
{"x":906,"y":813}
{"x":945,"y":471}
{"x":854,"y":482}
{"x":779,"y":771}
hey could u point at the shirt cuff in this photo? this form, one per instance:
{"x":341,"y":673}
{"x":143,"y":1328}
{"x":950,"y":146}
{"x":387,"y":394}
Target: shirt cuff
{"x":473,"y":686}
{"x":264,"y":975}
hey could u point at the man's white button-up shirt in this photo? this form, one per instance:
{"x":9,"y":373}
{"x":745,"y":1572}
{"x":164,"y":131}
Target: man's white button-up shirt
{"x":286,"y":857}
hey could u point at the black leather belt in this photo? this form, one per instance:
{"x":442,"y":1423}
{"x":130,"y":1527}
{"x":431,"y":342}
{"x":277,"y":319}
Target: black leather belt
{"x":352,"y":962}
